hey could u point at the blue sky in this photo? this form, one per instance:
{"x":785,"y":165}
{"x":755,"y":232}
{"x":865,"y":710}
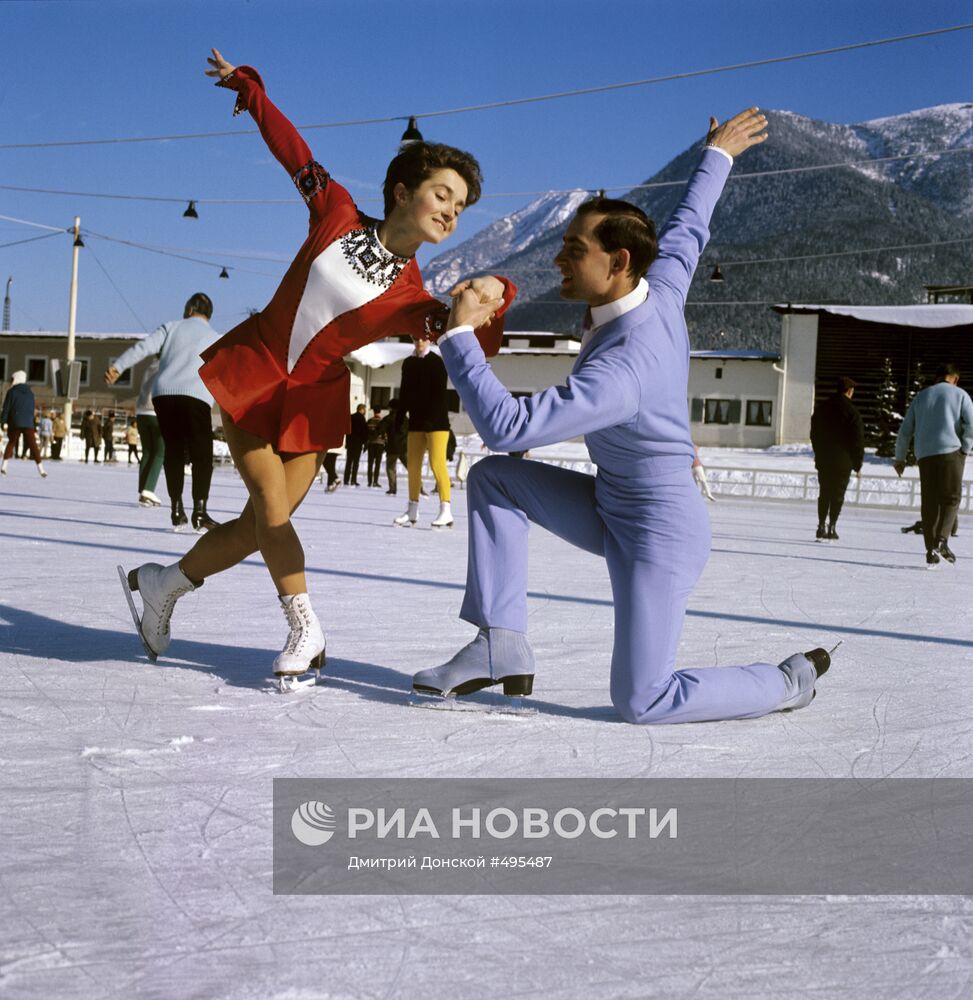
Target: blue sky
{"x":95,"y":69}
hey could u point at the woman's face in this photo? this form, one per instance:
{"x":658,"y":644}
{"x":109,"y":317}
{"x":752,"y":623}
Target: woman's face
{"x":432,"y":209}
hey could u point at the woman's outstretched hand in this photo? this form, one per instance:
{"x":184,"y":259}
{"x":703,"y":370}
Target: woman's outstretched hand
{"x":221,"y":67}
{"x":739,"y":133}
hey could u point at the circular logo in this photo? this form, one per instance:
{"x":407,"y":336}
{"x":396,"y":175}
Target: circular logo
{"x":313,"y":823}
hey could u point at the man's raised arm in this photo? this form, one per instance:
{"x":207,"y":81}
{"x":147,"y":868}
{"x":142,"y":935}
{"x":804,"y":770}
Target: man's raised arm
{"x":687,"y":231}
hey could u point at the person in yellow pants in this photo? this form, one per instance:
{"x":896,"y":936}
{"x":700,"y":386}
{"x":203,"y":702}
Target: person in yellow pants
{"x":422,"y":397}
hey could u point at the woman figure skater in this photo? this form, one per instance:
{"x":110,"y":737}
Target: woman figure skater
{"x":279,"y":377}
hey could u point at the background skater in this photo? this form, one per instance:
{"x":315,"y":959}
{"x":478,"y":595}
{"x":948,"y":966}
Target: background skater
{"x":642,"y":511}
{"x":182,"y":403}
{"x":838,"y":440}
{"x":423,"y":400}
{"x":939,"y":426}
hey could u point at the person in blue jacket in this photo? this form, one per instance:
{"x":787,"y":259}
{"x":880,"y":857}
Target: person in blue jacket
{"x":642,"y":511}
{"x":17,"y":418}
{"x":182,"y":403}
{"x":939,"y":425}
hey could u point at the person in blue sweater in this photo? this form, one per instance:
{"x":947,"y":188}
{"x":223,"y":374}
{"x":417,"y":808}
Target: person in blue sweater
{"x":17,"y":418}
{"x":939,"y":426}
{"x":182,"y":403}
{"x":642,"y":512}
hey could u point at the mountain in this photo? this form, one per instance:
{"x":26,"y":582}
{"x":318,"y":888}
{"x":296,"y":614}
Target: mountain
{"x":501,"y":239}
{"x":799,"y":214}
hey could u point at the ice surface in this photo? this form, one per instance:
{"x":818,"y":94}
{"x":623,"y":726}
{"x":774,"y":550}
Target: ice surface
{"x":135,"y":828}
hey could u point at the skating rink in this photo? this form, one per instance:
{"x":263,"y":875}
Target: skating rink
{"x":135,"y":828}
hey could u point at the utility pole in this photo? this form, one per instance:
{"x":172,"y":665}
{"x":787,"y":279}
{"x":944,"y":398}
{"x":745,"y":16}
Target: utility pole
{"x":72,"y":316}
{"x":6,"y":305}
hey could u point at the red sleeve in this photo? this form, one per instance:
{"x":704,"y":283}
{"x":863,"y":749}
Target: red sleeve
{"x":283,"y":140}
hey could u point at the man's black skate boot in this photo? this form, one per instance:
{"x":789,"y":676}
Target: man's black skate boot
{"x":821,"y":534}
{"x":932,"y":558}
{"x":178,"y":514}
{"x":201,"y":520}
{"x":821,"y":659}
{"x":832,"y":535}
{"x":946,"y":552}
{"x":915,"y":529}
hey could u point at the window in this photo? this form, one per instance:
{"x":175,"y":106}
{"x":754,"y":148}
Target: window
{"x":719,"y":373}
{"x":123,"y":380}
{"x":85,"y":366}
{"x":36,"y":369}
{"x":721,"y":411}
{"x":759,"y":412}
{"x":3,"y":367}
{"x":381,"y":395}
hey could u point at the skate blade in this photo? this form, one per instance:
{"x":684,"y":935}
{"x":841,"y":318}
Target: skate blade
{"x":497,"y":704}
{"x":123,"y":576}
{"x":295,"y":683}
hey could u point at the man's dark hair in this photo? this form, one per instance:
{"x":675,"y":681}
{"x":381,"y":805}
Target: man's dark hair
{"x":945,"y":370}
{"x":843,"y":383}
{"x":417,"y":161}
{"x":198,"y":303}
{"x":625,"y":227}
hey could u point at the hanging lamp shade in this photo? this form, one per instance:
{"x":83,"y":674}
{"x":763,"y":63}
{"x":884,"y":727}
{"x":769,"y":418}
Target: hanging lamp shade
{"x":717,"y":274}
{"x":412,"y":133}
{"x":224,"y":273}
{"x":191,"y":212}
{"x":78,"y":242}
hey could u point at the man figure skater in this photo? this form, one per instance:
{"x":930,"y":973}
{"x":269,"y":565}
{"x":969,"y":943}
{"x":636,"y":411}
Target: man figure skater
{"x":642,"y":512}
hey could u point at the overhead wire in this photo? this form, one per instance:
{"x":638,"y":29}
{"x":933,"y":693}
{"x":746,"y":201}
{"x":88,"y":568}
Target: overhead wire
{"x":865,"y":161}
{"x":513,"y":102}
{"x":121,"y":295}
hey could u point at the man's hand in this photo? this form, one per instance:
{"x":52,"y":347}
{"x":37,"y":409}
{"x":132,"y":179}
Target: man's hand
{"x":739,"y":133}
{"x":111,"y":375}
{"x":221,"y":67}
{"x":899,"y":468}
{"x":470,"y":310}
{"x":486,"y":287}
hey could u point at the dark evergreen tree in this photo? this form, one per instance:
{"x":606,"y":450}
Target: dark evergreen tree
{"x":916,"y":385}
{"x":888,"y":418}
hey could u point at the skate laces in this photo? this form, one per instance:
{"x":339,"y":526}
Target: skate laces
{"x":299,"y":619}
{"x":168,"y":606}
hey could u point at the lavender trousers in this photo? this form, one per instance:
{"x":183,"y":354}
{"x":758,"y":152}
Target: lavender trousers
{"x":653,"y":531}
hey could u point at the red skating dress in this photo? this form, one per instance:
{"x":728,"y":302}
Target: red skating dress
{"x":280,"y":373}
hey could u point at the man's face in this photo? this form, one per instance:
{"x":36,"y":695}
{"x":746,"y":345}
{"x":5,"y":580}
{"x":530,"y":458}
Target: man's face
{"x":585,"y":266}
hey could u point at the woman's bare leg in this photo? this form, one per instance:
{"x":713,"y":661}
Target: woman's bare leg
{"x":277,"y":485}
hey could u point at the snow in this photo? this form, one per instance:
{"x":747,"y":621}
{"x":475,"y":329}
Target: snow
{"x":925,"y":316}
{"x":136,"y":819}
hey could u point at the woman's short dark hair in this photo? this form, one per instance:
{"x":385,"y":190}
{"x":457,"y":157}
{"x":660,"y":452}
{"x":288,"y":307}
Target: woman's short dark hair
{"x":417,"y":161}
{"x":198,"y":303}
{"x":625,"y":227}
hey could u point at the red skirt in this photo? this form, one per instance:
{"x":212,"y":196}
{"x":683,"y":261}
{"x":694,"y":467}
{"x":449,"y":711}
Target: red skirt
{"x":253,"y":386}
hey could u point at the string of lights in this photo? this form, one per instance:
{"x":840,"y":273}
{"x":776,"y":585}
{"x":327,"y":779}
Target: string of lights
{"x":492,"y":105}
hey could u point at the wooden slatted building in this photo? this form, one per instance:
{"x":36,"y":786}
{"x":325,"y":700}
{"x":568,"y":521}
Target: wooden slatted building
{"x":821,"y":342}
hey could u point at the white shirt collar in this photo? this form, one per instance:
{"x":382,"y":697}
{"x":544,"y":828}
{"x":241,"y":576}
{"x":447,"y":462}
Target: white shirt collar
{"x":600,"y":315}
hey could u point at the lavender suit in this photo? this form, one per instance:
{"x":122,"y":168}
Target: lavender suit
{"x":627,"y":395}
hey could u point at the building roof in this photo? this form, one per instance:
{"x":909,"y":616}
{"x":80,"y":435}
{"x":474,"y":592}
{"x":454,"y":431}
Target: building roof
{"x":737,"y":355}
{"x":934,"y":316}
{"x":62,"y":335}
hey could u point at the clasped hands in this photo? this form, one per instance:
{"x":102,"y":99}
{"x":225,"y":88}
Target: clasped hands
{"x":475,"y":301}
